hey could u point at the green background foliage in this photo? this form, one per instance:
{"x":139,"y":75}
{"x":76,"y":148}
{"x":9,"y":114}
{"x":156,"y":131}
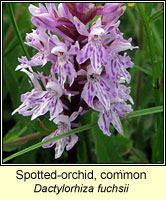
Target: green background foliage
{"x":143,"y":130}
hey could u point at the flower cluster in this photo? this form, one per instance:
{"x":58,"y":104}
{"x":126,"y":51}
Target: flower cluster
{"x":82,"y":42}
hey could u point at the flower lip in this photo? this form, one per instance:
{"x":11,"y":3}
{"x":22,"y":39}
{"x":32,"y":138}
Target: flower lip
{"x":53,"y":86}
{"x":97,"y":31}
{"x":61,"y":54}
{"x":58,"y":49}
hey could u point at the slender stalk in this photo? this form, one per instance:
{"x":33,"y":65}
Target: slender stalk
{"x":43,"y":126}
{"x":23,"y":139}
{"x":146,"y":111}
{"x":157,"y":14}
{"x":80,"y":129}
{"x":10,"y":30}
{"x":130,"y":115}
{"x":17,"y":30}
{"x":143,"y":70}
{"x":35,"y":146}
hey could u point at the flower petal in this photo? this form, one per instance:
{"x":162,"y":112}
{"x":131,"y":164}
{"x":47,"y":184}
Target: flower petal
{"x":83,"y":55}
{"x":81,"y":28}
{"x":65,"y":69}
{"x":97,"y":87}
{"x":33,"y":77}
{"x":55,"y":108}
{"x":60,"y":146}
{"x":104,"y":122}
{"x":71,"y":141}
{"x":74,"y":115}
{"x":54,"y":134}
{"x":121,"y":44}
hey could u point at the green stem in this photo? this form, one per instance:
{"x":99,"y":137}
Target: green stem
{"x":156,"y":15}
{"x":17,"y":30}
{"x":143,"y":70}
{"x":23,"y":139}
{"x":35,"y":146}
{"x":81,"y":129}
{"x":146,"y":111}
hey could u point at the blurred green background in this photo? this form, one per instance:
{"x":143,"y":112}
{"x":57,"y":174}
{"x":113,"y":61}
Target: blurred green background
{"x":143,"y":136}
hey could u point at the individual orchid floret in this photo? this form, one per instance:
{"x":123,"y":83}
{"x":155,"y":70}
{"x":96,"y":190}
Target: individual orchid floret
{"x":120,"y":44}
{"x":63,"y":11}
{"x":108,"y":97}
{"x":34,"y":10}
{"x":23,"y":63}
{"x":49,"y":19}
{"x":95,"y":49}
{"x":64,"y":66}
{"x":39,"y":102}
{"x":111,"y":12}
{"x":112,"y":116}
{"x":102,"y":89}
{"x":96,"y":87}
{"x":43,"y":42}
{"x":39,"y":40}
{"x":83,"y":8}
{"x":117,"y":66}
{"x":64,"y":125}
{"x":124,"y":93}
{"x":85,"y":12}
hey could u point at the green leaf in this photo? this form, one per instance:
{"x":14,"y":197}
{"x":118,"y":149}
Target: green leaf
{"x":121,"y":141}
{"x":35,"y":146}
{"x":85,"y":151}
{"x":146,"y":111}
{"x":98,"y":137}
{"x":49,"y":124}
{"x":143,"y":70}
{"x":14,"y":133}
{"x":10,"y":46}
{"x":159,"y":47}
{"x":150,"y":41}
{"x":157,"y":147}
{"x":11,"y":82}
{"x":82,"y":154}
{"x":148,"y":9}
{"x":9,"y":5}
{"x":158,"y":14}
{"x":132,"y":19}
{"x":5,"y":87}
{"x":93,"y":20}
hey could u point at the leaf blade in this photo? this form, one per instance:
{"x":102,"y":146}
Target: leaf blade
{"x":81,"y":129}
{"x":35,"y":146}
{"x":146,"y":111}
